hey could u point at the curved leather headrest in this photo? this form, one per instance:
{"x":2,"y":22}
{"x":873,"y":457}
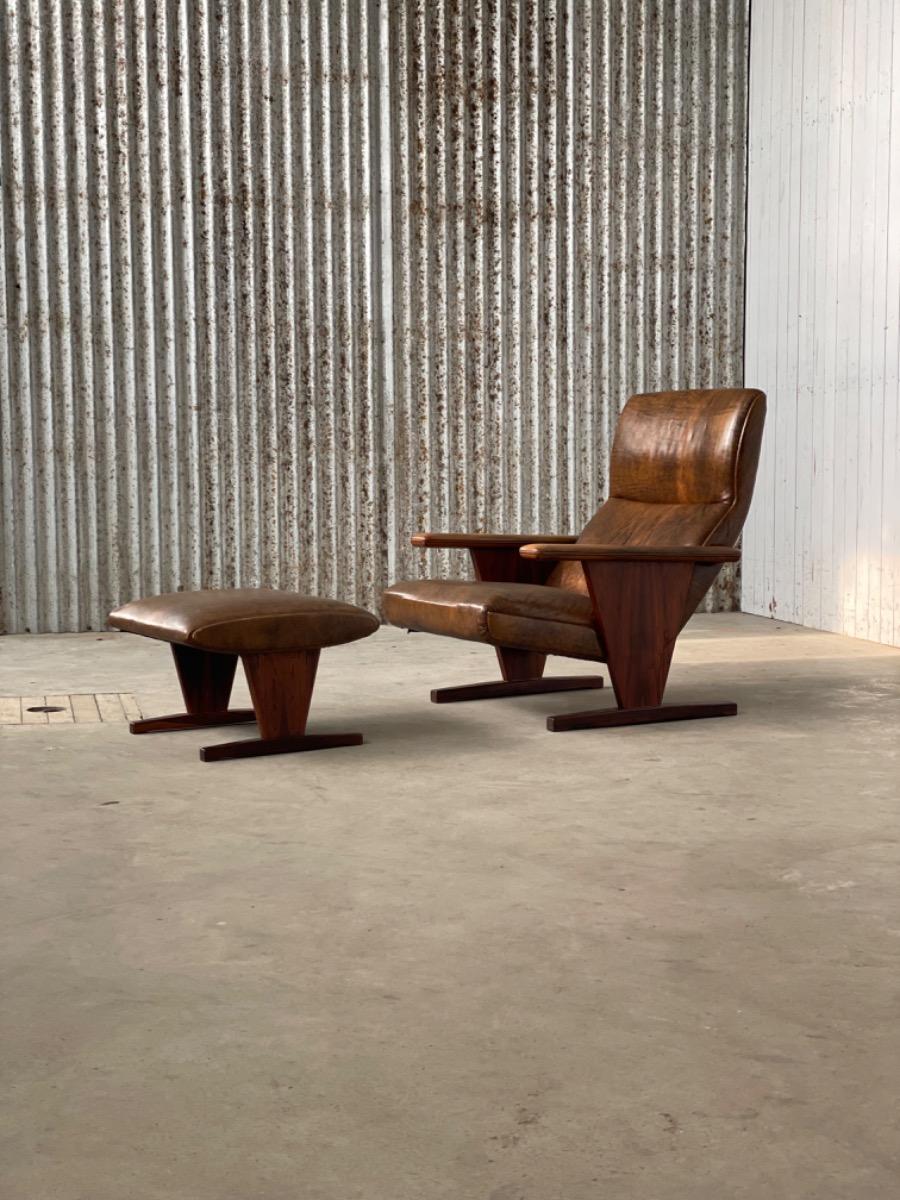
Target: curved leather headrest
{"x":687,"y":447}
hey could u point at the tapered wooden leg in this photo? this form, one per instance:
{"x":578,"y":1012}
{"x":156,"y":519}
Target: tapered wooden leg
{"x":206,"y":680}
{"x":639,"y":608}
{"x":519,"y":665}
{"x":281,"y":686}
{"x":522,"y":672}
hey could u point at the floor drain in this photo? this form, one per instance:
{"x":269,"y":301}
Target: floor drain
{"x":45,"y":708}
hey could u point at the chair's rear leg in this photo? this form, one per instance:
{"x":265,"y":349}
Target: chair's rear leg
{"x":522,"y":672}
{"x":518,"y":665}
{"x":206,"y":680}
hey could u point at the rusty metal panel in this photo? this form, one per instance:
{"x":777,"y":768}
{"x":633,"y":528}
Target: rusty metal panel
{"x":284,"y":282}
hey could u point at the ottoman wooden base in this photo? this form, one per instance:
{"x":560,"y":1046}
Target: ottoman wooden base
{"x":254,"y":747}
{"x":281,"y":686}
{"x":175,"y":721}
{"x":277,"y":636}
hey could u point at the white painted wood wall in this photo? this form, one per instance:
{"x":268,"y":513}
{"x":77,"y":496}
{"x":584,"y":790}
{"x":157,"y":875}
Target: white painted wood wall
{"x":822,"y":544}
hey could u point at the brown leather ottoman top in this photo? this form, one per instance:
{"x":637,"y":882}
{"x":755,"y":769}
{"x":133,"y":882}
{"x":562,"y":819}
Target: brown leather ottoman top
{"x":245,"y":620}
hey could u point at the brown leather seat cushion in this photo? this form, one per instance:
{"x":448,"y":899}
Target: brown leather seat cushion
{"x":245,"y":620}
{"x":533,"y":617}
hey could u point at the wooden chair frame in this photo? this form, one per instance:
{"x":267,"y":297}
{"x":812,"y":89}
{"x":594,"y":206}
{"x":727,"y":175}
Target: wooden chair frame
{"x":495,"y":559}
{"x":641,"y":598}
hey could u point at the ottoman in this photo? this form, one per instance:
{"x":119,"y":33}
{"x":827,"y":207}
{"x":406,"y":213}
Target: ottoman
{"x":277,"y":636}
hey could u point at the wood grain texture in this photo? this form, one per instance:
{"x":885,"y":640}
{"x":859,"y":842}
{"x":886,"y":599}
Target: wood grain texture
{"x":206,"y":679}
{"x":519,"y":665}
{"x":505,"y":565}
{"x":281,"y":686}
{"x":639,"y":609}
{"x":486,"y":541}
{"x":585,"y":552}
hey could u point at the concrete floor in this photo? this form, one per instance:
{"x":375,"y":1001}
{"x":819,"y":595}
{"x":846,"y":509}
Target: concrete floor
{"x":470,"y":959}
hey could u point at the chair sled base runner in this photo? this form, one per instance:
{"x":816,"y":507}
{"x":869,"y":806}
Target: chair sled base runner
{"x":610,"y":718}
{"x":523,"y":675}
{"x":498,"y":688}
{"x":639,"y":609}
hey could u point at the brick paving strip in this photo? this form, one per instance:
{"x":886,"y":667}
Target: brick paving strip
{"x":73,"y":709}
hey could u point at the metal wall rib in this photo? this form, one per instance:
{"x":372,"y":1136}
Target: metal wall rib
{"x":286,"y":281}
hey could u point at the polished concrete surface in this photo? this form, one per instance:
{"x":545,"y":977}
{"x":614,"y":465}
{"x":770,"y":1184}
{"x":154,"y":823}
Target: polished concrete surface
{"x":469,"y":960}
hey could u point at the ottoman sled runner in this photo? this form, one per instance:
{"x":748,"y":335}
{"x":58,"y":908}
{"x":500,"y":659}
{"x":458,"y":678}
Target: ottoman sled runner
{"x":278,"y":637}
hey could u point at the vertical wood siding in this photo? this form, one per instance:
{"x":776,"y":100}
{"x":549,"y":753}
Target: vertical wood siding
{"x":284,"y":282}
{"x":822,"y":546}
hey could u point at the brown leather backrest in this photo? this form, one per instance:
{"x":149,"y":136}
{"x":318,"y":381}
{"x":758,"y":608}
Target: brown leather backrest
{"x":681,"y":447}
{"x":681,"y":474}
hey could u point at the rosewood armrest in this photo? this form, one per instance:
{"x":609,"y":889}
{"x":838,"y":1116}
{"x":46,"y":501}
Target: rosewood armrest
{"x":655,"y":554}
{"x":495,"y":556}
{"x":486,"y":541}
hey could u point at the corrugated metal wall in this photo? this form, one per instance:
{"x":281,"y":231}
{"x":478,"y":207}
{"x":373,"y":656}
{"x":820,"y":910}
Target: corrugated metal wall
{"x":286,"y":281}
{"x":822,"y":546}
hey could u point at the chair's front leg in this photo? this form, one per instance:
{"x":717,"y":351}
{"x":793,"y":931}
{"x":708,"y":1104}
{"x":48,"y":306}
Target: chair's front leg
{"x":639,"y":609}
